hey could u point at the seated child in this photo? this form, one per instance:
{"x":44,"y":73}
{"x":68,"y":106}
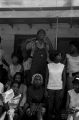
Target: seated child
{"x":18,"y":77}
{"x":14,"y":66}
{"x":15,"y":86}
{"x":10,"y":102}
{"x":73,"y":100}
{"x":35,"y":97}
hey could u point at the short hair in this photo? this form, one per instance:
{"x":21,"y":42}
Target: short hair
{"x":53,"y":54}
{"x":41,"y":30}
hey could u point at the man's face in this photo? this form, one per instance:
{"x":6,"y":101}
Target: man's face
{"x":41,"y":35}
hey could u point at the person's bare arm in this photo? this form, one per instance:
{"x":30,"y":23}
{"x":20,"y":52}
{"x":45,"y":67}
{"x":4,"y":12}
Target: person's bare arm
{"x":64,"y":78}
{"x":24,"y":99}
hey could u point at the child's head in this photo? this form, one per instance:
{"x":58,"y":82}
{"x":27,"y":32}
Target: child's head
{"x":37,"y":80}
{"x":19,"y":77}
{"x":15,"y":59}
{"x":55,"y":56}
{"x":76,"y":84}
{"x":15,"y":86}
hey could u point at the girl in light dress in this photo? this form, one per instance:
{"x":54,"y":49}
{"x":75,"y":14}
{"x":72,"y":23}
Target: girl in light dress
{"x":73,"y":100}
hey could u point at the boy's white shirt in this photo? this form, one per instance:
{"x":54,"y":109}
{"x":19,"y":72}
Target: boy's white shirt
{"x":55,"y":76}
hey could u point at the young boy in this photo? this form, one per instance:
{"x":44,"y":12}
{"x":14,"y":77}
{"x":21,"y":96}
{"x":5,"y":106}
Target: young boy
{"x":14,"y":66}
{"x":55,"y":86}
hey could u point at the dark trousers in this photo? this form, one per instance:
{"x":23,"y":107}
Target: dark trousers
{"x":55,"y":98}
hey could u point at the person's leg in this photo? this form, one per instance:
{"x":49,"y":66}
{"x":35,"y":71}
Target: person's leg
{"x":39,"y":115}
{"x":50,"y":103}
{"x":41,"y":112}
{"x":58,"y":103}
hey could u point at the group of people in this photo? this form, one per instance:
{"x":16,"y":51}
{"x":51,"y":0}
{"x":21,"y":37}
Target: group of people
{"x":48,"y":84}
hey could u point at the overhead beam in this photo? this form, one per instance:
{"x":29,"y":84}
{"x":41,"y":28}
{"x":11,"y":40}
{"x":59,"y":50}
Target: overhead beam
{"x":40,"y":14}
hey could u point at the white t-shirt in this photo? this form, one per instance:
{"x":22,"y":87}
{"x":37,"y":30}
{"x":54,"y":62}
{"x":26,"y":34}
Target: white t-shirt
{"x":73,"y":63}
{"x":74,"y":98}
{"x":27,"y":64}
{"x":55,"y":76}
{"x":14,"y":69}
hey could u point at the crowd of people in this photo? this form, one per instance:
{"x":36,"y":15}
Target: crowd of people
{"x":48,"y":84}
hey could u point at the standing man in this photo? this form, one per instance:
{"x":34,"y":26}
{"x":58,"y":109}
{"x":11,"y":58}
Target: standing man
{"x":40,"y":48}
